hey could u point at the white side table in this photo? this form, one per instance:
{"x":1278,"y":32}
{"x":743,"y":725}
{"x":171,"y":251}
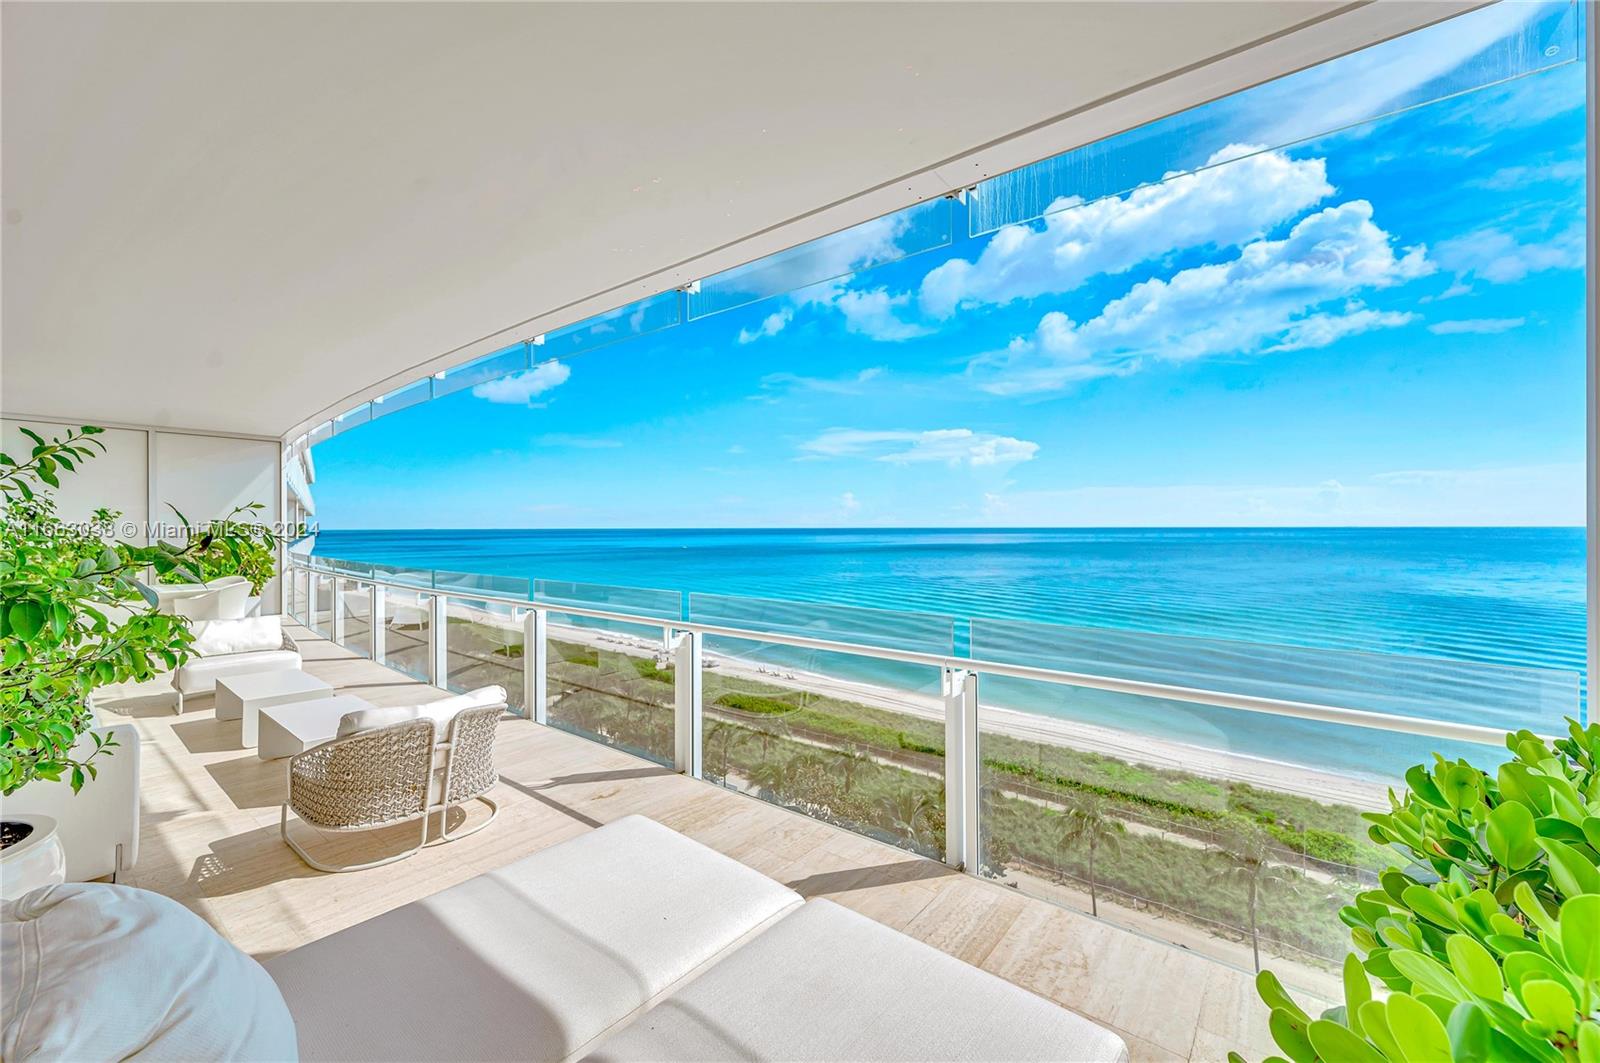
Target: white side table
{"x":242,"y":697}
{"x":301,"y":725}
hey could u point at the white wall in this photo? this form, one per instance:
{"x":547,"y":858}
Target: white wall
{"x":144,"y":472}
{"x":117,"y":479}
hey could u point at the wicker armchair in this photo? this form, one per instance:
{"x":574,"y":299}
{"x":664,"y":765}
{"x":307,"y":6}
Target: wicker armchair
{"x":392,"y":775}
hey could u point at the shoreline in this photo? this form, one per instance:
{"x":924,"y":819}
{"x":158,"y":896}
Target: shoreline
{"x":1134,"y":747}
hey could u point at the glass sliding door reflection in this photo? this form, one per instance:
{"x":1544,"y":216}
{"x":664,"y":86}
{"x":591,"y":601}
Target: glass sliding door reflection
{"x":846,"y":739}
{"x":612,"y":682}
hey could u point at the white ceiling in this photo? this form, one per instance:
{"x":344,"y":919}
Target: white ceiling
{"x":236,"y":216}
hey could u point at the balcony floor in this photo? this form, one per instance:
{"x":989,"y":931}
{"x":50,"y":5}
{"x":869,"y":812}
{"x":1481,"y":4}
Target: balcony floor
{"x":210,"y":840}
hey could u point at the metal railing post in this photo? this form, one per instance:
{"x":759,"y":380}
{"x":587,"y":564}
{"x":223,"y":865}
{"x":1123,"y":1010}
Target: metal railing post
{"x":961,"y":848}
{"x":376,"y":627}
{"x":688,"y":704}
{"x":337,"y":605}
{"x":535,"y":664}
{"x":438,"y":641}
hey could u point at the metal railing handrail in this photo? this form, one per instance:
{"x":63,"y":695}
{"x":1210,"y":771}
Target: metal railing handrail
{"x":1363,"y":718}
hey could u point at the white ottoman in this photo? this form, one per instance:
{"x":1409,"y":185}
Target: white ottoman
{"x":297,"y":726}
{"x":242,"y":697}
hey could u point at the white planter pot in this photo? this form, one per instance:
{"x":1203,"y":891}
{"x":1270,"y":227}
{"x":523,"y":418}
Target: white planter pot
{"x":37,"y":860}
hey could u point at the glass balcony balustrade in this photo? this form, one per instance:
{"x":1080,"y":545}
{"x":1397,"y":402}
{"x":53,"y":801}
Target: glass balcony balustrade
{"x":1205,"y":791}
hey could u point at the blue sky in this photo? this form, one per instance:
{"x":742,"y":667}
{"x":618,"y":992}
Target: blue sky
{"x":1379,"y":326}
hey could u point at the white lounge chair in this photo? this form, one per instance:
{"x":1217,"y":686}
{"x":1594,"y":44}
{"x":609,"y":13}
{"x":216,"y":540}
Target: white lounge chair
{"x":554,"y":956}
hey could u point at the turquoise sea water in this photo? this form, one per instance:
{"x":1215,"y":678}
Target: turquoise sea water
{"x":1478,"y":624}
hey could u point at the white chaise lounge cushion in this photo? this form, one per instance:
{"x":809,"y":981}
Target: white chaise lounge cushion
{"x":213,"y":638}
{"x":95,"y":971}
{"x":828,"y":984}
{"x":530,"y":962}
{"x":441,"y":712}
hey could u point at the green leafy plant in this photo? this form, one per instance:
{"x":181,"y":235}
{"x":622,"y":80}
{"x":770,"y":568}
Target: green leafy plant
{"x":74,"y":614}
{"x":230,"y":547}
{"x":1488,"y":937}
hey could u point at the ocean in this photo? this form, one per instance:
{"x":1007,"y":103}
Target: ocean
{"x":1483,"y":625}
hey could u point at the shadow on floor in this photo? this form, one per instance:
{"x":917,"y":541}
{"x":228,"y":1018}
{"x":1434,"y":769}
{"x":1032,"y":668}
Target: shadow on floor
{"x":912,"y":869}
{"x":207,"y":734}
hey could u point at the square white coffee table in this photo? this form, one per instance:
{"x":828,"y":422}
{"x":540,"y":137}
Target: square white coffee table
{"x":301,"y":725}
{"x":242,"y":697}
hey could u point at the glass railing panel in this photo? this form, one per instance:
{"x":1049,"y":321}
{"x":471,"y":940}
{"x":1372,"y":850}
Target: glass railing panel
{"x":412,"y":394}
{"x":918,"y":632}
{"x":612,"y":682}
{"x":625,"y":322}
{"x":322,"y":604}
{"x":323,"y":431}
{"x":292,"y":583}
{"x":635,"y":601}
{"x":890,"y":238}
{"x":464,"y":584}
{"x":1490,"y":695}
{"x":850,"y":740}
{"x":501,"y":363}
{"x":485,"y":647}
{"x":407,"y":616}
{"x":352,"y":418}
{"x":1157,"y":814}
{"x":355,"y":598}
{"x":1483,"y":48}
{"x":421,"y":578}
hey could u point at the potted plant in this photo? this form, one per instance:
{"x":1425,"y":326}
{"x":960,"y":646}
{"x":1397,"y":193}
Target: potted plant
{"x":1487,"y":933}
{"x":74,"y":614}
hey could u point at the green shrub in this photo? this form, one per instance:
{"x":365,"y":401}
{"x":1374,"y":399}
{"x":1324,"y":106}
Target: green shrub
{"x":1488,"y":939}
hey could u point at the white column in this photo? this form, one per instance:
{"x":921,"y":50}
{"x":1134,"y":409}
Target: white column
{"x":375,"y":622}
{"x":689,"y":700}
{"x":438,"y":638}
{"x":535,"y":664}
{"x":961,"y":770}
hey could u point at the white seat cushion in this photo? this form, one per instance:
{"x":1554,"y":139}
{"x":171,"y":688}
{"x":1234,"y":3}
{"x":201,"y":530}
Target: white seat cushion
{"x":441,"y":712}
{"x":533,"y":961}
{"x":215,"y":638}
{"x":828,"y":984}
{"x":95,"y":971}
{"x":200,"y":674}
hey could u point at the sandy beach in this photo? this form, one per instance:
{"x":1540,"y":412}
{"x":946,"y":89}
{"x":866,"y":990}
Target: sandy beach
{"x":1027,"y":726}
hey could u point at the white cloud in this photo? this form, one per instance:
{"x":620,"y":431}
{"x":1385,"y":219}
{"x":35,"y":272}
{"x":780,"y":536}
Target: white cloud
{"x":522,"y":388}
{"x":1323,"y":330}
{"x":1499,"y":257}
{"x":1477,"y":326}
{"x":771,"y":325}
{"x":1511,"y":177}
{"x":876,"y":315}
{"x":949,"y":446}
{"x":848,"y":503}
{"x":1260,"y":301}
{"x":847,"y":385}
{"x":1224,"y":205}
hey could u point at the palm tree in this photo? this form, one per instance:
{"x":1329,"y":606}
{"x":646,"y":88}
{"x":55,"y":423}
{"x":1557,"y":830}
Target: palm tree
{"x":733,"y":737}
{"x":1088,"y":821}
{"x":905,"y":812}
{"x":849,"y":761}
{"x":773,"y":776}
{"x":1248,"y":860}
